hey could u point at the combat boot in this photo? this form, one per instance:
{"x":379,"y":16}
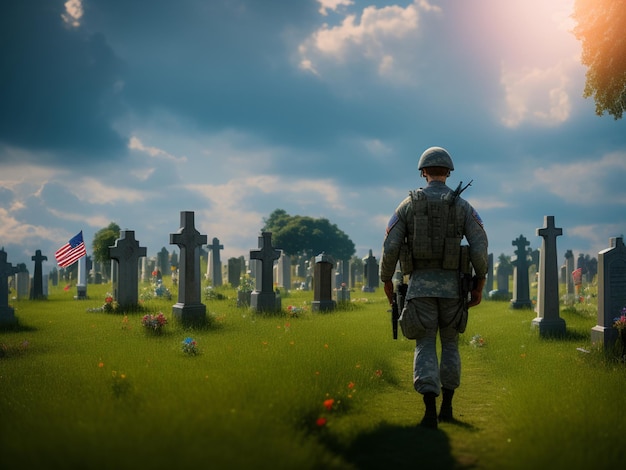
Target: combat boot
{"x":445,"y":413}
{"x":430,"y":415}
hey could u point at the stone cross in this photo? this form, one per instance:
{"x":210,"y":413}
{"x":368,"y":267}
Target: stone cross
{"x":266,"y":254}
{"x":548,"y":319}
{"x":7,"y":314}
{"x":189,"y":309}
{"x":215,"y":264}
{"x":521,"y":283}
{"x":611,"y":291}
{"x":37,"y":291}
{"x":127,"y":252}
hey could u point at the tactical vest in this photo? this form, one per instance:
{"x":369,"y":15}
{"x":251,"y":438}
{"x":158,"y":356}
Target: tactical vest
{"x":435,"y":241}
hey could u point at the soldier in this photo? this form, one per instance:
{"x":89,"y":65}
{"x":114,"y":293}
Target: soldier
{"x":425,"y":234}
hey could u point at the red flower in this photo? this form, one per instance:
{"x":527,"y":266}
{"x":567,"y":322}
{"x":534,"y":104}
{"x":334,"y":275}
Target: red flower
{"x":351,"y":385}
{"x":321,"y":421}
{"x":328,"y":404}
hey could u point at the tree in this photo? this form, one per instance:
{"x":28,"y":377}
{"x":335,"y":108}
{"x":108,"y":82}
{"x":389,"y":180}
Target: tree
{"x":307,"y":236}
{"x":102,"y":240}
{"x":600,"y":27}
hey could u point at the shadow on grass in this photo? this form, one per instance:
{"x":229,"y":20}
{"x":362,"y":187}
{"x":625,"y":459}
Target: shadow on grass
{"x":399,"y":447}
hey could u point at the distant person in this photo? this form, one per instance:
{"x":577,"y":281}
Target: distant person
{"x":425,"y":234}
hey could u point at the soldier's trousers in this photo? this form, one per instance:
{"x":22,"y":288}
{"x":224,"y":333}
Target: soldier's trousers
{"x":437,"y":315}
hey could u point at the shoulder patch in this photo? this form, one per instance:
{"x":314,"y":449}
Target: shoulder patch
{"x":392,"y":222}
{"x":477,"y":217}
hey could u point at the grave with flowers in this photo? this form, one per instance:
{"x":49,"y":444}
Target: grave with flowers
{"x":611,"y":293}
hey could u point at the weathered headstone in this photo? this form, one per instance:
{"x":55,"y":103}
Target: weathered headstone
{"x":214,"y":264}
{"x":370,"y":271}
{"x":521,"y":284}
{"x":283,"y":271}
{"x":611,"y":291}
{"x":234,"y":271}
{"x":7,"y":314}
{"x":189,"y":309}
{"x":22,"y":285}
{"x":569,"y":269}
{"x":265,"y":299}
{"x":163,"y":261}
{"x":489,"y":281}
{"x":323,"y":289}
{"x":127,"y":252}
{"x":36,"y":292}
{"x":81,"y":285}
{"x":548,"y":319}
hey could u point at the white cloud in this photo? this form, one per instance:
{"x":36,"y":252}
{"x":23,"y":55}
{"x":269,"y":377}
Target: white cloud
{"x":539,"y":96}
{"x":135,"y":144}
{"x":378,"y":35}
{"x":583,"y":183}
{"x":73,"y":13}
{"x":333,"y":5}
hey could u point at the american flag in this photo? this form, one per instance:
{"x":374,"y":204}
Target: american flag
{"x":72,"y":251}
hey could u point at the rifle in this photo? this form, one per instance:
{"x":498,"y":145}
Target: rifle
{"x":396,"y":307}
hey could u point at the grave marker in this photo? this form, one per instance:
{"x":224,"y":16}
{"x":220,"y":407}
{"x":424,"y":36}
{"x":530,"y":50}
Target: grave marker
{"x":265,"y":300}
{"x":7,"y":314}
{"x":611,"y":291}
{"x":214,"y":264}
{"x":323,"y":288}
{"x":37,"y":292}
{"x":370,"y":271}
{"x":189,"y":309}
{"x":521,"y":284}
{"x":127,"y":252}
{"x":548,"y":319}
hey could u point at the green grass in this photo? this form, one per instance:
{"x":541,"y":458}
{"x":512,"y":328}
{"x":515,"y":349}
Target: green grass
{"x":95,"y":390}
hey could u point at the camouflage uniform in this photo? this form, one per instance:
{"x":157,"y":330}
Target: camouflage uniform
{"x":434,"y":292}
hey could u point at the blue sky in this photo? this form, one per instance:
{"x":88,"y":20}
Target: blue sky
{"x":112,"y":111}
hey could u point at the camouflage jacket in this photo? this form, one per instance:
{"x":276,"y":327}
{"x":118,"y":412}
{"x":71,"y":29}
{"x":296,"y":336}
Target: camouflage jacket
{"x":434,"y":282}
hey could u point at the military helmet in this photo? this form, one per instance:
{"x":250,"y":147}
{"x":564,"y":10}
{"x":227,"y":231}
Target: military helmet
{"x":435,"y":156}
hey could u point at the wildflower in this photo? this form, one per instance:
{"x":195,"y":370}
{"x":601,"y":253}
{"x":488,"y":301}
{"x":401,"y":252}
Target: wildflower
{"x":620,"y":322}
{"x":351,"y":385}
{"x":101,"y":364}
{"x":328,"y":404}
{"x":378,"y":373}
{"x":189,"y":346}
{"x":321,"y":421}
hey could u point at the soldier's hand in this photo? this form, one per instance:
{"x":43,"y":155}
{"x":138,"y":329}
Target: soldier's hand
{"x":389,"y":291}
{"x":477,"y":292}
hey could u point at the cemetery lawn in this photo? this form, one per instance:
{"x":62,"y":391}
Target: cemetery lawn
{"x":96,"y":390}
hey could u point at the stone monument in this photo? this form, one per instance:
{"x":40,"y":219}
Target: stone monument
{"x":548,"y":319}
{"x":189,"y":309}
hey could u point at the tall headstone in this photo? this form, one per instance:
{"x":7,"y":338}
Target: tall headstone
{"x":548,"y":319}
{"x":81,"y":285}
{"x":7,"y":314}
{"x":489,"y":282}
{"x":214,"y":265}
{"x":36,"y":292}
{"x":521,"y":283}
{"x":323,"y":285}
{"x":234,"y":271}
{"x":127,"y":252}
{"x":163,"y":261}
{"x":283,"y":271}
{"x":265,"y":299}
{"x":611,"y":291}
{"x":22,"y":285}
{"x":569,"y":269}
{"x":189,"y":309}
{"x":370,"y":271}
